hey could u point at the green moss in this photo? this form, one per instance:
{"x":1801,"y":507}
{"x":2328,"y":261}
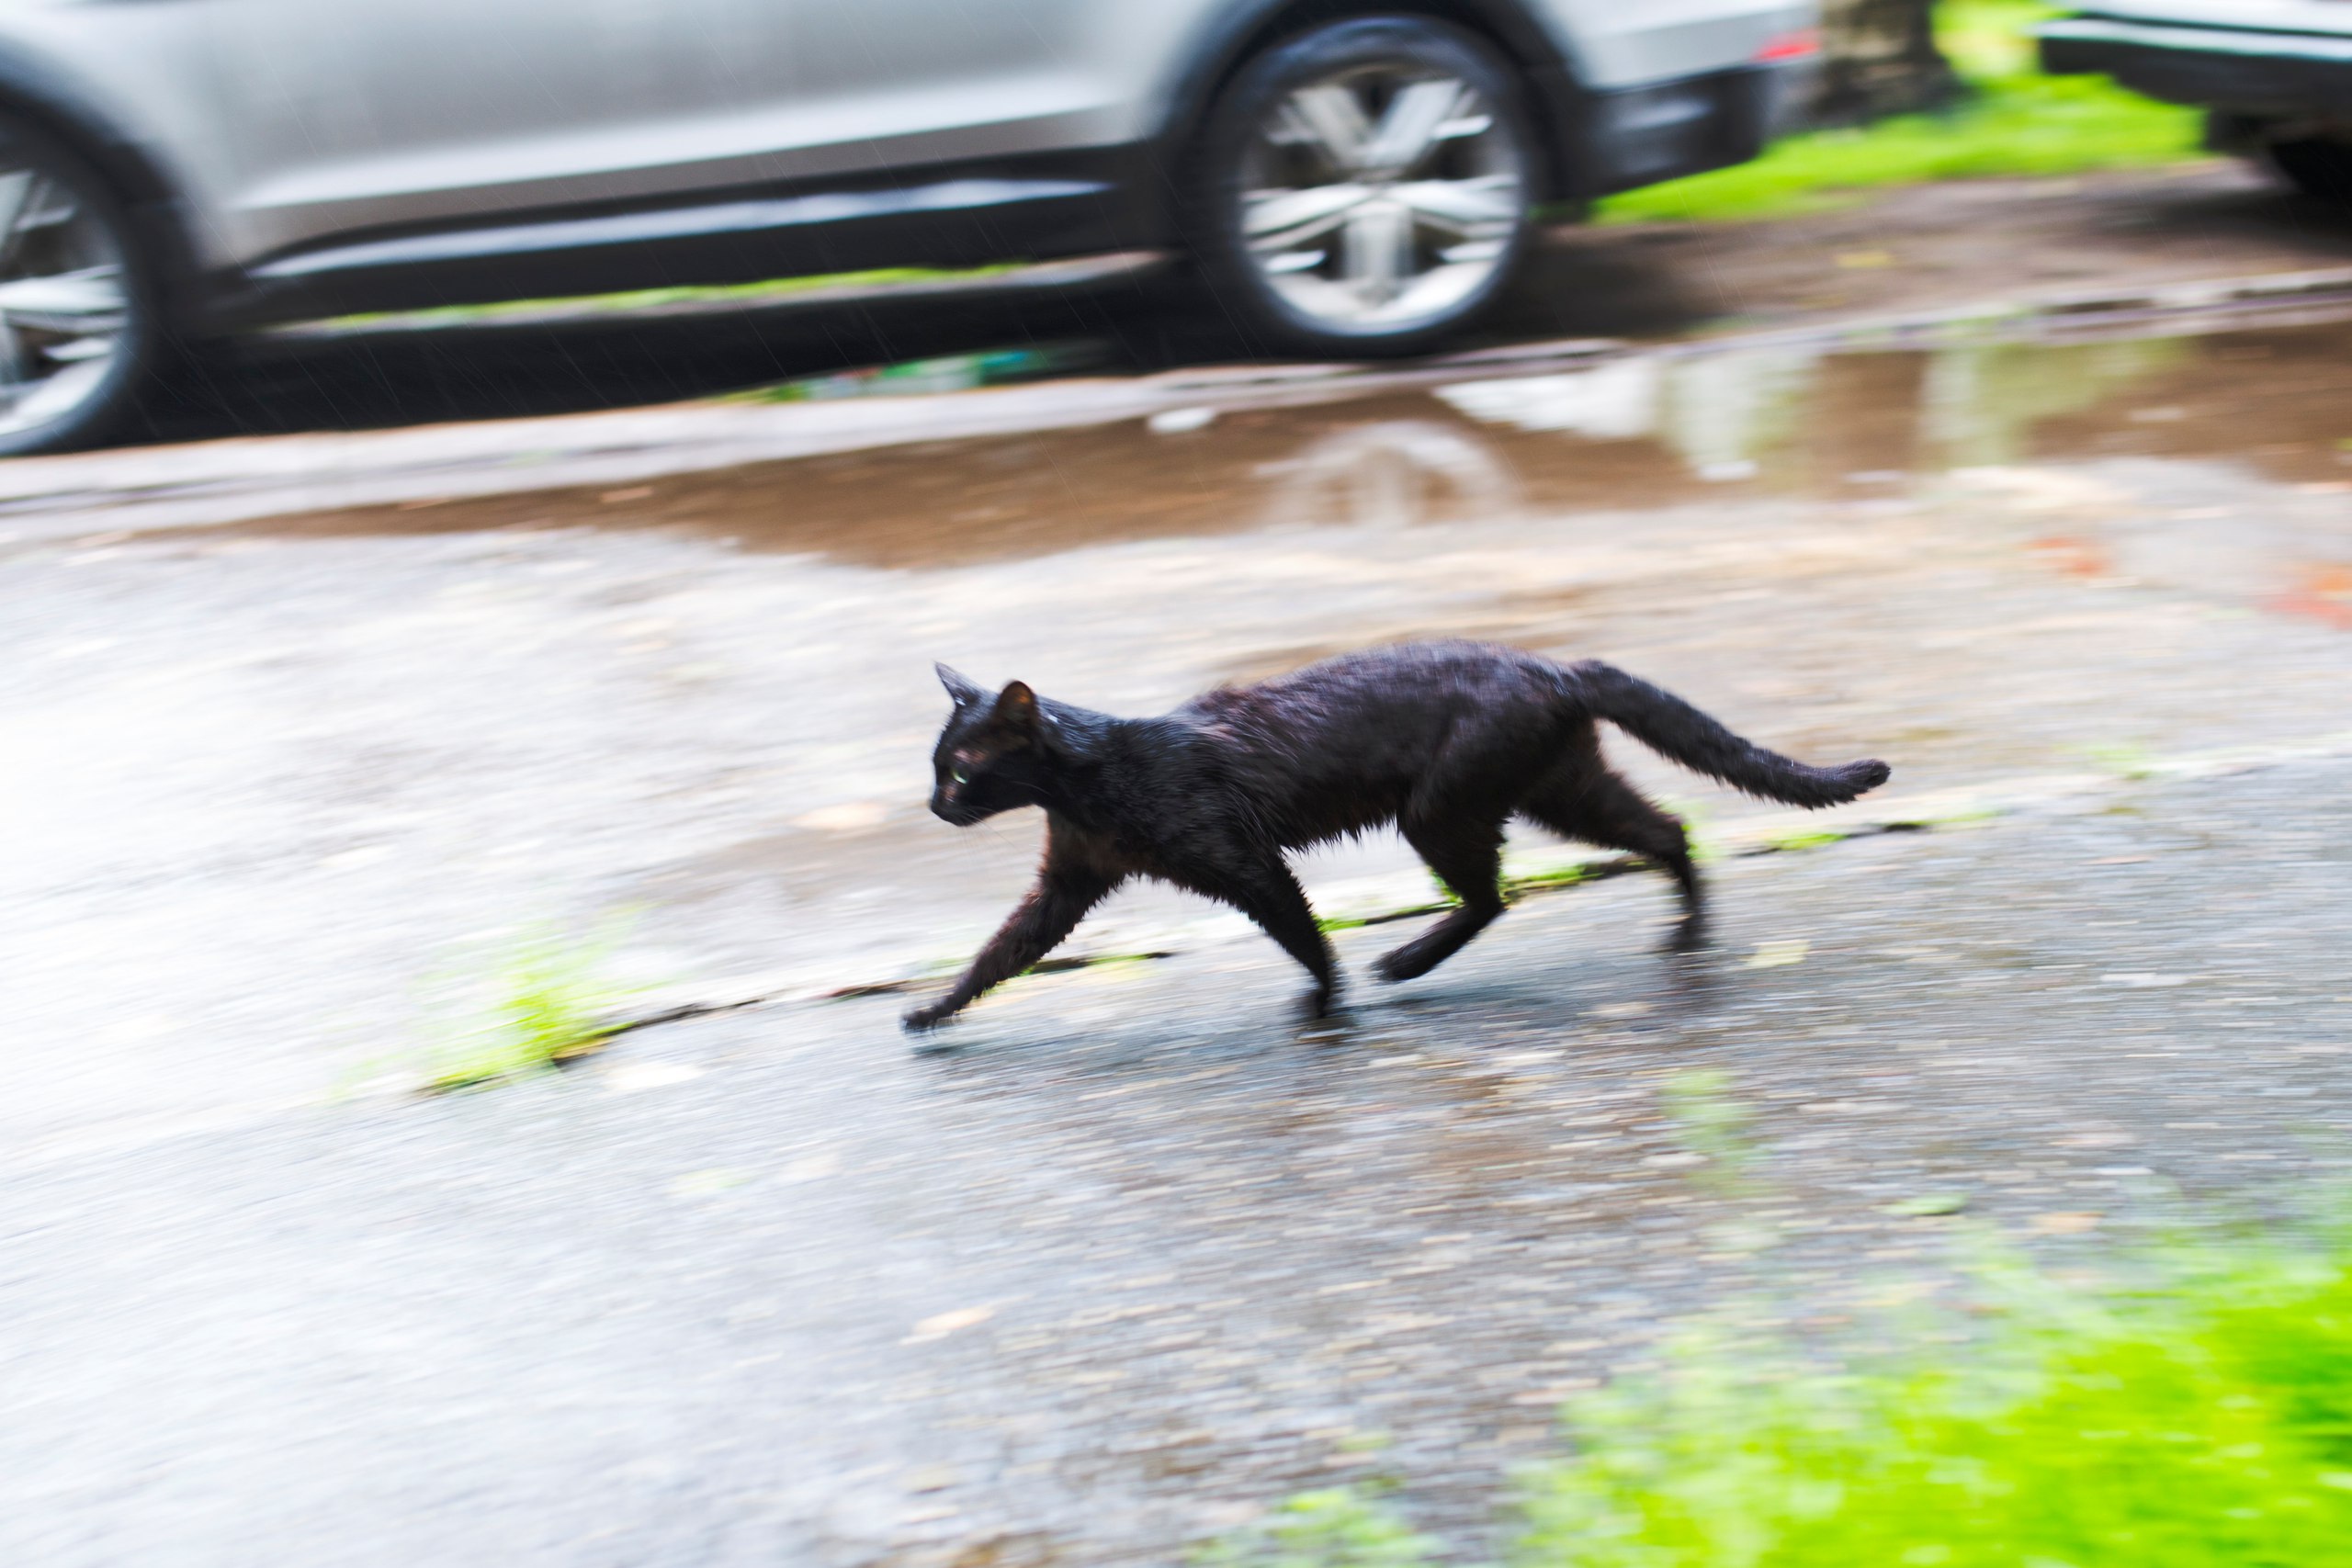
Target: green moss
{"x":547,"y":1000}
{"x":1542,"y":881}
{"x":2125,"y":759}
{"x":1092,"y":960}
{"x":1808,"y":838}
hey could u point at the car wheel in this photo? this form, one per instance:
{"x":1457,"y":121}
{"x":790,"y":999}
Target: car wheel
{"x":77,"y":315}
{"x":2314,"y":167}
{"x":1363,"y":189}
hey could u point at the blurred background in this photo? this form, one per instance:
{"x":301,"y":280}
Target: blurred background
{"x":485,"y":485}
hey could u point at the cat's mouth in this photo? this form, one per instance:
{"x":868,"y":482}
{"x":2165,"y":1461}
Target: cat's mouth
{"x":953,"y":812}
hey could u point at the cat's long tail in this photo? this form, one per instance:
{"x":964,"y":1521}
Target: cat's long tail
{"x":1668,"y":725}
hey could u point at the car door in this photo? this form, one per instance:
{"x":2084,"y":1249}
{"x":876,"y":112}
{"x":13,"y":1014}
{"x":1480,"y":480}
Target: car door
{"x":900,"y":84}
{"x":350,"y":117}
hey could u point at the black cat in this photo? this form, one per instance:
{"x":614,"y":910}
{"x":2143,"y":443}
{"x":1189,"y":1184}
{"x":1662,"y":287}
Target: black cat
{"x":1447,"y":740}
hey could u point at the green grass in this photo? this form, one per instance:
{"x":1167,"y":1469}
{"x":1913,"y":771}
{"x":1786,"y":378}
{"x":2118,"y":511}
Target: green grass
{"x":1338,"y":1526}
{"x":2199,"y":1418}
{"x":2016,"y":121}
{"x":545,"y":1000}
{"x":2205,"y":1425}
{"x":1708,"y":1119}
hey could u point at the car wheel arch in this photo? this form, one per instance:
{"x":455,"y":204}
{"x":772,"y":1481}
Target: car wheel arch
{"x":45,"y":100}
{"x":1241,"y":29}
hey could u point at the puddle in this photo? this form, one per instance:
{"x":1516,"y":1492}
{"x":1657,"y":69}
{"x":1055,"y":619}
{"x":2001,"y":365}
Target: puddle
{"x":1640,"y":431}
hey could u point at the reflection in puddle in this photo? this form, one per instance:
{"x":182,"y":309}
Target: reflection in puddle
{"x":1393,"y":474}
{"x":1981,"y":403}
{"x":1638,"y":431}
{"x":1616,"y":402}
{"x":1729,"y":411}
{"x":1718,"y":412}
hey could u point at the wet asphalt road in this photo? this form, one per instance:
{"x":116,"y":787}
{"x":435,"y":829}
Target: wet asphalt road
{"x":1135,"y":1255}
{"x":1128,"y":1255}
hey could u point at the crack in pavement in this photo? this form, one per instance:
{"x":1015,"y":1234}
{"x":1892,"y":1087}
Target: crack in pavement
{"x":1777,"y":834}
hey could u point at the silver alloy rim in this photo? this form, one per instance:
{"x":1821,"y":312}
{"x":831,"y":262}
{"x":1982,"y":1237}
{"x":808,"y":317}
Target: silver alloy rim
{"x":1381,"y":198}
{"x":64,"y":304}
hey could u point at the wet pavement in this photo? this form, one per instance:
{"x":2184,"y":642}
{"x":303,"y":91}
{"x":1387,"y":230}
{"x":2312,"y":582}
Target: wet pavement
{"x":274,"y":775}
{"x":1126,"y":1254}
{"x":1133,"y":1256}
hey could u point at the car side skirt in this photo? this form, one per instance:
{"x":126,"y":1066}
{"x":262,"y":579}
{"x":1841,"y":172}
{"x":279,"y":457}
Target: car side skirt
{"x":1030,"y":208}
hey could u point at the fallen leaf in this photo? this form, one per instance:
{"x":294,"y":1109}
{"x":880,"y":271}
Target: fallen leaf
{"x":629,"y":1077}
{"x":847,"y":817}
{"x":1773,"y":955}
{"x":1928,"y":1205}
{"x":931,"y":1478}
{"x":813,"y":1168}
{"x":1181,"y":422}
{"x":2065,"y":1223}
{"x":703,"y":1183}
{"x":947,"y":1322}
{"x":1858,"y":260}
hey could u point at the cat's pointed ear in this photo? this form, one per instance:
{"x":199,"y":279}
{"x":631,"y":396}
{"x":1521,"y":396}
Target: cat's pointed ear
{"x":965,"y":692}
{"x":1016,"y":707}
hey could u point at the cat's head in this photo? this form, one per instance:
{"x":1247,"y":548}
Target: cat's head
{"x":993,"y":755}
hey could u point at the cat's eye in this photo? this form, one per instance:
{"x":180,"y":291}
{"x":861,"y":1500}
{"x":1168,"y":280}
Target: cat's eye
{"x":958,"y":774}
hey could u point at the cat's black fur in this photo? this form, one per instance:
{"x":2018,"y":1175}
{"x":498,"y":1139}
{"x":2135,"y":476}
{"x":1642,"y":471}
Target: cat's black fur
{"x":1447,"y":740}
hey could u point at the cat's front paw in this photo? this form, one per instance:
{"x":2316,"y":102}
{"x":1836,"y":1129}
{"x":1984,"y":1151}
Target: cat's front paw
{"x":1689,"y":935}
{"x":923,"y":1020}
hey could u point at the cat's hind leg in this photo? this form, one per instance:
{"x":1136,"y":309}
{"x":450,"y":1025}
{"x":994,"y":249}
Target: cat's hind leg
{"x":1264,"y":889}
{"x":1467,"y":853}
{"x":1585,"y":800}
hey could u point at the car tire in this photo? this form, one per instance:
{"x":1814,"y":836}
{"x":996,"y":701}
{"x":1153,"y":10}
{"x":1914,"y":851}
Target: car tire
{"x":2315,"y":167}
{"x":80,"y":328}
{"x":1363,"y":189}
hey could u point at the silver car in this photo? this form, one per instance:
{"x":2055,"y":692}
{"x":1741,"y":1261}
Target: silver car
{"x":1346,"y":180}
